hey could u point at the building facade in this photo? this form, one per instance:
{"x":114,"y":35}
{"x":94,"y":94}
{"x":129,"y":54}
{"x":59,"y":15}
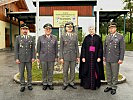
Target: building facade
{"x":85,"y":9}
{"x":6,"y":6}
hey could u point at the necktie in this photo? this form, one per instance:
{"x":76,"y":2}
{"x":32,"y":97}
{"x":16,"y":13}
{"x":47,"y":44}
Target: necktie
{"x":70,"y":34}
{"x":25,"y":37}
{"x":111,"y":37}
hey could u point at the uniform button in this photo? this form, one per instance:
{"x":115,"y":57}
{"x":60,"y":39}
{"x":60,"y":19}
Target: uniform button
{"x":109,"y":52}
{"x":110,"y":43}
{"x":109,"y":49}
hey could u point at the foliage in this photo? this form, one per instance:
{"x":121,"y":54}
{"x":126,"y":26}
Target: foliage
{"x":103,"y":28}
{"x":80,"y":36}
{"x":129,"y":6}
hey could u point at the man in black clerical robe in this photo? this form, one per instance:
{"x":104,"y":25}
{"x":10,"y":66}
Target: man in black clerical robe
{"x":91,"y":70}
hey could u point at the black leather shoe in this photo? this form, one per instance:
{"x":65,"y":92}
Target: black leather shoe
{"x":30,"y":88}
{"x":73,"y":86}
{"x":22,"y":89}
{"x":64,"y":87}
{"x":51,"y":87}
{"x":44,"y":87}
{"x":113,"y":91}
{"x":107,"y":89}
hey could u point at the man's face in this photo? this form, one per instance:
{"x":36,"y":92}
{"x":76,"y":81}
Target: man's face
{"x":47,"y":30}
{"x":91,"y":31}
{"x":112,"y":30}
{"x":69,"y":28}
{"x":24,"y":31}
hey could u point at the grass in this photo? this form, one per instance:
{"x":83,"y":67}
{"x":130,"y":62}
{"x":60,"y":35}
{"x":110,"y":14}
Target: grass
{"x":37,"y":75}
{"x":129,"y":47}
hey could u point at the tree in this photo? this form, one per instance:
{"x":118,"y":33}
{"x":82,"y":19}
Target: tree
{"x":129,"y":5}
{"x":120,"y":23}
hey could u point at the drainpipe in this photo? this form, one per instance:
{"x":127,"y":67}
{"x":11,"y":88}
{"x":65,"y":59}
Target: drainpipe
{"x":97,"y":17}
{"x":124,"y":25}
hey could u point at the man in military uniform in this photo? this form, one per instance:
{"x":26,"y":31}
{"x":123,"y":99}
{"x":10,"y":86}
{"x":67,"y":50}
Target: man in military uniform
{"x":69,"y":54}
{"x":114,"y":49}
{"x":25,"y":55}
{"x":47,"y":49}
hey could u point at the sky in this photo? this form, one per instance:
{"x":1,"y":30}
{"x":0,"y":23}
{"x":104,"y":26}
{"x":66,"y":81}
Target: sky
{"x":104,"y":4}
{"x":111,"y":4}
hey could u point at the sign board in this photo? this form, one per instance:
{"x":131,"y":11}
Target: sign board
{"x":63,"y":16}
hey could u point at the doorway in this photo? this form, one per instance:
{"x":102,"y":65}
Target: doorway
{"x":7,"y":37}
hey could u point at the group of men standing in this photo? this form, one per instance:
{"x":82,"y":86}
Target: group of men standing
{"x":47,"y":54}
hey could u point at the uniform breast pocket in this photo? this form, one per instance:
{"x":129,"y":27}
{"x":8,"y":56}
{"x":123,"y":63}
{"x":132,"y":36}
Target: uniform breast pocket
{"x":65,"y":42}
{"x":43,"y":43}
{"x":21,"y":44}
{"x":52,"y":41}
{"x":74,"y":39}
{"x":116,"y":43}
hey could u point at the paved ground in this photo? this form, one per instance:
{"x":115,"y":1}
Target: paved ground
{"x":9,"y":90}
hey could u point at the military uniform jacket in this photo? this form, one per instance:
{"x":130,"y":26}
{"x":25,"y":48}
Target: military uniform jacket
{"x":24,"y":48}
{"x":69,"y":50}
{"x":47,"y":48}
{"x":114,"y":48}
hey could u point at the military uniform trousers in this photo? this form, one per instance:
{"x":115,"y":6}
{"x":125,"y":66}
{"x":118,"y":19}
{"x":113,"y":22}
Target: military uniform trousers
{"x":112,"y":71}
{"x":47,"y":72}
{"x":28,"y":66}
{"x":67,"y":65}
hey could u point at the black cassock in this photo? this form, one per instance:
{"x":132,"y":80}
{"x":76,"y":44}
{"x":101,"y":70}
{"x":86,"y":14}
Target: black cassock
{"x":91,"y":72}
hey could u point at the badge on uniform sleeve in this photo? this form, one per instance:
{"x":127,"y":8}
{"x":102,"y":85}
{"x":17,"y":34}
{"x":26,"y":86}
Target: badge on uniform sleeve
{"x":52,"y":41}
{"x":92,"y":48}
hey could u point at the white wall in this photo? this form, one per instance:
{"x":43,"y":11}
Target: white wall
{"x":4,"y":25}
{"x":83,"y":22}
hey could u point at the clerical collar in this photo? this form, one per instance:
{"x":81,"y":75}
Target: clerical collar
{"x":92,"y":35}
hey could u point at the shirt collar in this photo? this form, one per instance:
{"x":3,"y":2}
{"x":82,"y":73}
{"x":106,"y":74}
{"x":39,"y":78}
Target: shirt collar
{"x":48,"y":36}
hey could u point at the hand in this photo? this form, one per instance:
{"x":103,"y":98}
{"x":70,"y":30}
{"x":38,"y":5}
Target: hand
{"x":98,"y":59}
{"x":33,"y":59}
{"x":120,"y":62}
{"x":78,"y":59}
{"x":83,"y":59}
{"x":38,"y":60}
{"x":104,"y":59}
{"x":61,"y":61}
{"x":17,"y":61}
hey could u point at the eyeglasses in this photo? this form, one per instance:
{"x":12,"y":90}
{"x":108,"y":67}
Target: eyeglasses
{"x":69,"y":26}
{"x":47,"y":28}
{"x":24,"y":28}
